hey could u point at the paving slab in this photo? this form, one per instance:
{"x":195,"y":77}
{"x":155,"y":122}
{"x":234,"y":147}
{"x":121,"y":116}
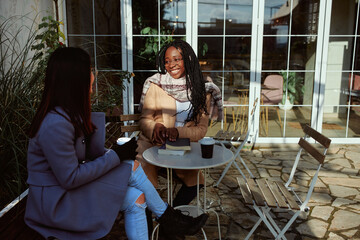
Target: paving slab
{"x":341,"y":202}
{"x":340,"y":191}
{"x":344,"y":220}
{"x":313,"y":227}
{"x":323,"y":212}
{"x":346,"y":181}
{"x":334,"y":206}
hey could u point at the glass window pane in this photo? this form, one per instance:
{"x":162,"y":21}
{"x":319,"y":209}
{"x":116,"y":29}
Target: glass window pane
{"x":302,"y":53}
{"x":276,"y":17}
{"x":145,"y":50}
{"x":275,"y":53}
{"x":214,"y":54}
{"x":173,"y":17}
{"x":336,"y":86}
{"x":271,"y":88}
{"x":297,"y":87}
{"x":79,"y":16}
{"x":296,"y":119}
{"x":231,"y":95}
{"x":144,"y":14}
{"x":139,"y":80}
{"x":269,"y":124}
{"x":86,"y":43}
{"x":334,"y":122}
{"x":305,"y":17}
{"x":236,"y":84}
{"x":358,"y":23}
{"x":107,"y":17}
{"x":308,"y":88}
{"x":108,"y":52}
{"x":354,"y":82}
{"x":343,"y":15}
{"x":211,"y":17}
{"x":167,"y":39}
{"x":107,"y":94}
{"x":357,"y":54}
{"x":237,"y":53}
{"x":340,"y":52}
{"x":354,"y":126}
{"x":294,"y":88}
{"x":238,"y":17}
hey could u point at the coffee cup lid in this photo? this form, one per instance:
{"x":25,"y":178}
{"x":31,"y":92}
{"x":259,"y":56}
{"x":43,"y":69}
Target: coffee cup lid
{"x":122,"y":140}
{"x":207,"y":141}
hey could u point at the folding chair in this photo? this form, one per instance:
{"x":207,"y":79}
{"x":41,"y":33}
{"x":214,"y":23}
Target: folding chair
{"x":265,"y":195}
{"x":232,"y":138}
{"x":121,"y":125}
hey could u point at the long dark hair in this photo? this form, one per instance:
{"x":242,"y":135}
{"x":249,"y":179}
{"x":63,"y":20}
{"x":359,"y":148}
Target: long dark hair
{"x":67,"y":85}
{"x":194,"y":78}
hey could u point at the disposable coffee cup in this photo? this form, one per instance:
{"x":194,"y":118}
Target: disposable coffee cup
{"x":207,"y":147}
{"x":122,"y":140}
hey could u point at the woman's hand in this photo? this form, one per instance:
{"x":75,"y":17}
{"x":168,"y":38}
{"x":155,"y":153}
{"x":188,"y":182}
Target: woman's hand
{"x":172,"y":134}
{"x":159,"y":134}
{"x":126,"y":151}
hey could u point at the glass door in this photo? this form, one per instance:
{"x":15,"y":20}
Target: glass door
{"x":295,"y":56}
{"x":288,"y":66}
{"x":341,"y":74}
{"x":153,"y":24}
{"x":224,"y":41}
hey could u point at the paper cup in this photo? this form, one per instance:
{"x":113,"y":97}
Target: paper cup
{"x":207,"y":147}
{"x":122,"y":140}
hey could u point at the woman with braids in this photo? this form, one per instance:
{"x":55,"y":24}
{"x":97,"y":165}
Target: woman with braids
{"x":76,"y":186}
{"x":176,"y":103}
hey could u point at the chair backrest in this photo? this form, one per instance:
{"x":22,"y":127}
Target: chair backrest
{"x":121,"y":125}
{"x":317,"y":154}
{"x":273,"y":96}
{"x":324,"y":141}
{"x":130,"y":123}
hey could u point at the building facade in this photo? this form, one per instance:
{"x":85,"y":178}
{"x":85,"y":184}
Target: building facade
{"x":298,"y":58}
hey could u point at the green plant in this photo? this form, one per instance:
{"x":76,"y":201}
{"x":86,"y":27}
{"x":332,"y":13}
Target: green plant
{"x":48,"y":40}
{"x":293,"y":87}
{"x":22,"y":70}
{"x":151,"y":47}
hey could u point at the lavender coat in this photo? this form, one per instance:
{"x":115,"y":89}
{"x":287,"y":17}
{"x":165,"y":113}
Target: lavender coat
{"x":66,"y":199}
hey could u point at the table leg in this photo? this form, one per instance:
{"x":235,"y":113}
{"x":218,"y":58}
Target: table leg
{"x":169,"y":186}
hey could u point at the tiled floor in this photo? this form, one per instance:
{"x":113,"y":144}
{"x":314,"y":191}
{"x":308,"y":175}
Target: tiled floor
{"x":334,"y":207}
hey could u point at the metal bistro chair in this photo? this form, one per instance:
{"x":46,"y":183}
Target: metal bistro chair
{"x":232,"y":138}
{"x":265,"y":195}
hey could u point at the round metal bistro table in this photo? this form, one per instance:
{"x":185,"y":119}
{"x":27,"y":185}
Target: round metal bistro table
{"x":190,"y":160}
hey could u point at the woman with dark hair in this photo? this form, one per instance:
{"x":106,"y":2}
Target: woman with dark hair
{"x":76,"y":186}
{"x":176,"y":103}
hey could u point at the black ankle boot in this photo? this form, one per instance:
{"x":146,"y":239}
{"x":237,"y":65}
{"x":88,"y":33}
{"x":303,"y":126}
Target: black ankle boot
{"x":174,"y":222}
{"x":185,"y":195}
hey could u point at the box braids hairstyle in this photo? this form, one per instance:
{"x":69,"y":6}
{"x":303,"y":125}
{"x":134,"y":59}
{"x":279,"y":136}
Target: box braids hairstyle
{"x":194,"y":78}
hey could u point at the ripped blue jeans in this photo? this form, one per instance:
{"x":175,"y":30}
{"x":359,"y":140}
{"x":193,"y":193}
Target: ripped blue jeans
{"x":135,"y":217}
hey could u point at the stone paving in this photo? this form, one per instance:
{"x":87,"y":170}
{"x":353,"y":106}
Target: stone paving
{"x":334,"y":206}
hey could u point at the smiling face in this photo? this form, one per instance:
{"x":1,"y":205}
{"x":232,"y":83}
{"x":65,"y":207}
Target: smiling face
{"x":174,"y":64}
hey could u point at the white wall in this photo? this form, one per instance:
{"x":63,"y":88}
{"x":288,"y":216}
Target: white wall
{"x":21,"y":17}
{"x":33,"y":9}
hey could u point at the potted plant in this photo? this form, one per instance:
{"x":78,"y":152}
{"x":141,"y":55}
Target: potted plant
{"x":293,"y":89}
